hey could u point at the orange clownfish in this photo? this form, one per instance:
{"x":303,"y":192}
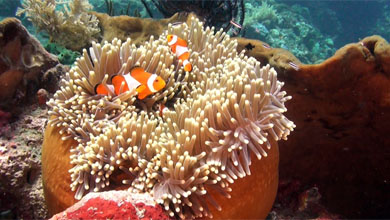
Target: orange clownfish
{"x":180,"y":49}
{"x":145,"y":83}
{"x":100,"y":89}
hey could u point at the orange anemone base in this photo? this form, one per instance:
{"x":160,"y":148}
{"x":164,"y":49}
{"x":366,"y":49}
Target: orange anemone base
{"x":252,"y":197}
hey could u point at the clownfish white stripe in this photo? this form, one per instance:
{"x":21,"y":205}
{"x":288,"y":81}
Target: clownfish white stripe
{"x":111,"y":88}
{"x":131,"y":82}
{"x":180,"y":50}
{"x":173,"y":41}
{"x":185,"y":62}
{"x":150,"y":83}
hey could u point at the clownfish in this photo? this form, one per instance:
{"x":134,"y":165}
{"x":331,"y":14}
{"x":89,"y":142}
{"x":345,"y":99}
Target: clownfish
{"x":100,"y":89}
{"x":180,"y":49}
{"x":143,"y":82}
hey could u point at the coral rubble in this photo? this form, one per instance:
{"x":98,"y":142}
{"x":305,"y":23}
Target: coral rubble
{"x":20,"y":167}
{"x":221,"y":119}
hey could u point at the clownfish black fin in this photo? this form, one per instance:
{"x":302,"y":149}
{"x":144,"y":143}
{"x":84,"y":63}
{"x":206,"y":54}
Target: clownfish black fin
{"x":95,"y":88}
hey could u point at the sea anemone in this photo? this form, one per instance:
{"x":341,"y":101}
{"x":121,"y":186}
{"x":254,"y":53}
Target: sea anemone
{"x":218,"y":115}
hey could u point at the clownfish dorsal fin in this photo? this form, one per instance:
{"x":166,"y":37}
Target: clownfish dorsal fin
{"x":136,"y":71}
{"x":139,"y":74}
{"x":112,"y":77}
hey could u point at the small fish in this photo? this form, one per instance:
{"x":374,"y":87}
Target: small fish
{"x":257,"y":30}
{"x":180,"y":49}
{"x":176,"y":23}
{"x":143,"y":82}
{"x":266,"y":46}
{"x":294,"y":66}
{"x":235,"y":24}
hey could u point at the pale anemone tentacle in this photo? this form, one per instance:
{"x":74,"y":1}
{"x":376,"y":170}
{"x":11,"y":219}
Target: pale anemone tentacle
{"x":216,"y":117}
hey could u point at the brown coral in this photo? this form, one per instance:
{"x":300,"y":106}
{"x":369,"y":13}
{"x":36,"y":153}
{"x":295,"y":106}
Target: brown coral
{"x":22,"y":59}
{"x":138,"y":29}
{"x":342,"y":108}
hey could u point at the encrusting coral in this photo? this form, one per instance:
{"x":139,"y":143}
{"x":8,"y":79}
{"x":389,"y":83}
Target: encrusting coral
{"x":219,"y":117}
{"x":72,"y":27}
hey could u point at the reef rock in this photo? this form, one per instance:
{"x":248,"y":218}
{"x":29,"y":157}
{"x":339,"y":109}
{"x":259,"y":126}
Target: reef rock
{"x":23,"y":60}
{"x":342,"y":111}
{"x":20,"y":167}
{"x":114,"y":205}
{"x":138,"y":29}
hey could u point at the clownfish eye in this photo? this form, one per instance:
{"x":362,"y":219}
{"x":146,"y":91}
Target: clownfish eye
{"x":156,"y":80}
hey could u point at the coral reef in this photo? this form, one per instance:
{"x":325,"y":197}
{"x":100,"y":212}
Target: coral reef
{"x":72,"y":27}
{"x":299,"y":202}
{"x":342,"y":109}
{"x":217,"y":13}
{"x":221,"y":119}
{"x":382,"y":26}
{"x":114,"y":205}
{"x":266,"y":13}
{"x":138,"y":29}
{"x":65,"y":56}
{"x":22,"y":61}
{"x":287,"y":27}
{"x":20,"y":166}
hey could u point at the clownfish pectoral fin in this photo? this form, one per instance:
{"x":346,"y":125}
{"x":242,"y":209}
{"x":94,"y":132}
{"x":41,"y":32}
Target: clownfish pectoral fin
{"x":142,"y":95}
{"x":100,"y":89}
{"x":140,"y":89}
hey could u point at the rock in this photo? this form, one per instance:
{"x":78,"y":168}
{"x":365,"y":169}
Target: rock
{"x":342,"y":111}
{"x":20,"y":167}
{"x":114,"y":205}
{"x":23,"y":62}
{"x":299,"y":202}
{"x":42,"y":96}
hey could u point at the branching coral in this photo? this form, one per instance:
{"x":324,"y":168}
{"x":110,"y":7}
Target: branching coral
{"x":264,"y":13}
{"x":72,"y":27}
{"x":218,"y":115}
